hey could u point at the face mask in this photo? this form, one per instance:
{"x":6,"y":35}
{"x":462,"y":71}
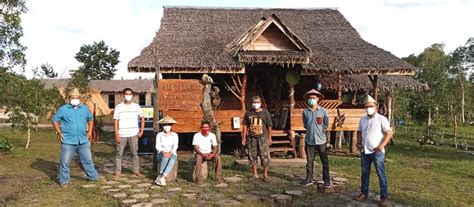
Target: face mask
{"x":370,"y":110}
{"x":256,"y":105}
{"x":167,"y":128}
{"x":205,"y":131}
{"x":312,"y":102}
{"x":128,"y":97}
{"x":75,"y":102}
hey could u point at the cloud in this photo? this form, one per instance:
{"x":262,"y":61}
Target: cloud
{"x":56,"y":29}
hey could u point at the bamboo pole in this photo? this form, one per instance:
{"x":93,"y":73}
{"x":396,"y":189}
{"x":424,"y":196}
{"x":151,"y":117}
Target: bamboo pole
{"x":339,"y":87}
{"x":156,"y":106}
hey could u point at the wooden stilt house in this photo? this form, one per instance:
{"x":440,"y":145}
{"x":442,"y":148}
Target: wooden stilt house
{"x":278,"y":54}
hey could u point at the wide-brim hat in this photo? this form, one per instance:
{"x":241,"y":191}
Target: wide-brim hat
{"x":369,"y":99}
{"x":74,"y":92}
{"x":167,"y":120}
{"x":313,"y":92}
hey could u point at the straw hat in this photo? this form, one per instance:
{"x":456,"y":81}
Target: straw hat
{"x":369,"y":99}
{"x":74,"y":92}
{"x":313,"y":92}
{"x":167,"y":120}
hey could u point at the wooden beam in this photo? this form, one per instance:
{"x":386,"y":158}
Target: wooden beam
{"x":339,"y":87}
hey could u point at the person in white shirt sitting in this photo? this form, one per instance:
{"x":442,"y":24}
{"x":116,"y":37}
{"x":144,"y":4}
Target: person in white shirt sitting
{"x":166,"y":146}
{"x":205,"y":149}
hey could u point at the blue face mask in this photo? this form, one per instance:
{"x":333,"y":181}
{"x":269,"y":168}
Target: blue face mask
{"x":312,"y":102}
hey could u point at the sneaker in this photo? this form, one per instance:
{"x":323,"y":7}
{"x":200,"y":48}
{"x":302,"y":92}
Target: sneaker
{"x":64,"y":185}
{"x":163,"y":180}
{"x":307,"y":182}
{"x":157,"y":181}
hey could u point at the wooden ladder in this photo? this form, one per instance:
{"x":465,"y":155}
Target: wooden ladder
{"x":282,"y":142}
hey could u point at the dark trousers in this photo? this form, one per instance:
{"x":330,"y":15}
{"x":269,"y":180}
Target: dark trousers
{"x":323,"y":156}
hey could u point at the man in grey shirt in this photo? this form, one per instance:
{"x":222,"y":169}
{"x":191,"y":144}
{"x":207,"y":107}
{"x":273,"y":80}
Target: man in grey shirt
{"x":315,"y":120}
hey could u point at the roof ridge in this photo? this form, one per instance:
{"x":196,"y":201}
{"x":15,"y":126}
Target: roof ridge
{"x":249,"y":8}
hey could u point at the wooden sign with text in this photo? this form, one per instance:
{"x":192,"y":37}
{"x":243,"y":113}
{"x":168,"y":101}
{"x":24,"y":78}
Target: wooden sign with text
{"x":177,"y":94}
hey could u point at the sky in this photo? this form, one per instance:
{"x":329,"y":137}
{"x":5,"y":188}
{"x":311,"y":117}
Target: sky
{"x":54,"y":30}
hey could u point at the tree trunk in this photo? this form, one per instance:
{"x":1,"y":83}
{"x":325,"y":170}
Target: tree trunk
{"x":206,"y":107}
{"x":429,"y":117}
{"x":28,"y":136}
{"x":463,"y":103}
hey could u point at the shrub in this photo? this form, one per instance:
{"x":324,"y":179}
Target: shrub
{"x":5,"y":145}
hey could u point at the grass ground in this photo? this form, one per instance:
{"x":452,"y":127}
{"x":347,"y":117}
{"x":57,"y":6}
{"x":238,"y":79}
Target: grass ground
{"x":431,"y":175}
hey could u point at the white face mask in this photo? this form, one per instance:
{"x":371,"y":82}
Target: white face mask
{"x":167,"y":128}
{"x":370,"y":110}
{"x":256,"y":105}
{"x":128,"y":97}
{"x":75,"y":102}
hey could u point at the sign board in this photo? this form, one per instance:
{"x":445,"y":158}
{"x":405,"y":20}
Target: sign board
{"x":147,"y":112}
{"x":182,"y":95}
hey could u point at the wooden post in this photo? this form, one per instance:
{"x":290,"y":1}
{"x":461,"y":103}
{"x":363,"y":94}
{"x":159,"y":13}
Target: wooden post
{"x":373,"y":79}
{"x":243,"y":92}
{"x":301,"y":150}
{"x":156,"y":106}
{"x":389,"y":106}
{"x":292,"y":102}
{"x":292,"y":97}
{"x":339,"y":87}
{"x":354,"y":142}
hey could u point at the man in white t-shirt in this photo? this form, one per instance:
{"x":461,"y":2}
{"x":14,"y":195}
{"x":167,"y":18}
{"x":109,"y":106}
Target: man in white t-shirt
{"x":126,"y":117}
{"x":374,"y":134}
{"x":205,"y":149}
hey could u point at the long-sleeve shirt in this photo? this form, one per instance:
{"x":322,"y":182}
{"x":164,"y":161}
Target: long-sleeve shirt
{"x":167,"y":143}
{"x":315,"y":134}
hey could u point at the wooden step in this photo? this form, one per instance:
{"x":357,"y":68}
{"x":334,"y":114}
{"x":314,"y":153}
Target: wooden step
{"x":279,"y":133}
{"x":281,"y":142}
{"x":280,"y":149}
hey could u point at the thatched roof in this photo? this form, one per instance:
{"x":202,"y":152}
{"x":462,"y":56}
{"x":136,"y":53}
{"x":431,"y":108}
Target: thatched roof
{"x":139,"y":86}
{"x":200,"y":40}
{"x":362,"y":83}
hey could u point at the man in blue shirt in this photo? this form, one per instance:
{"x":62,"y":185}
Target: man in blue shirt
{"x":74,"y":118}
{"x":315,"y":121}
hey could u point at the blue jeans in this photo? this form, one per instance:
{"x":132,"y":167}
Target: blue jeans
{"x":166,"y":163}
{"x":366,"y":162}
{"x":84,"y":153}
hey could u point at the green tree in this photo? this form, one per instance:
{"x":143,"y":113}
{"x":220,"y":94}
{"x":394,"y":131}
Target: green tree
{"x":432,"y":66}
{"x":45,"y":71}
{"x":26,"y":100}
{"x":98,"y":61}
{"x":11,"y":49}
{"x":461,"y":63}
